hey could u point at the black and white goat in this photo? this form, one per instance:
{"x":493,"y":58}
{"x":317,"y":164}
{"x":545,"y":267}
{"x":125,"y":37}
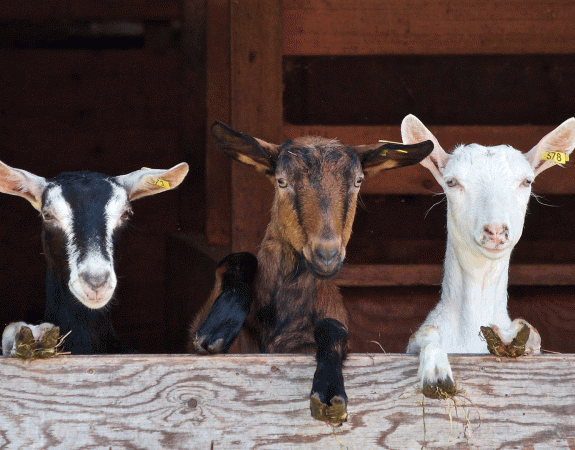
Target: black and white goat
{"x":83,"y":214}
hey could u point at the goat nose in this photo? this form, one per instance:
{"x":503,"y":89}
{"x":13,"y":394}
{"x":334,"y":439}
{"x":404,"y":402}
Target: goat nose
{"x":326,"y":255}
{"x":496,"y":231}
{"x":95,"y":279}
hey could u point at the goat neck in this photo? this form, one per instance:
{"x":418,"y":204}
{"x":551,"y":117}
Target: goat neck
{"x":475,"y":289}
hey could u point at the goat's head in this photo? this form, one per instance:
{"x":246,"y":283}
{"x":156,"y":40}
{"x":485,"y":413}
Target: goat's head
{"x":82,"y":215}
{"x":316,"y":186}
{"x":488,"y":188}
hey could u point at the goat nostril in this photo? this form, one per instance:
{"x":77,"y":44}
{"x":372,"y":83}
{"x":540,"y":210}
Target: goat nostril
{"x":95,"y":280}
{"x":496,"y":230}
{"x":326,"y":255}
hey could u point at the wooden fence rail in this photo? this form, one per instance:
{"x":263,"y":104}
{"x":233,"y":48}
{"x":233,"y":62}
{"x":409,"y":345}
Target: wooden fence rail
{"x":247,"y":401}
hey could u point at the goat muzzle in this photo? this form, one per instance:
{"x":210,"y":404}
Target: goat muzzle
{"x":324,"y":261}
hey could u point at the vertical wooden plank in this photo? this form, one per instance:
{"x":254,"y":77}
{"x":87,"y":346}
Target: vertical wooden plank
{"x":193,"y":137}
{"x":256,"y":98}
{"x":218,"y":166}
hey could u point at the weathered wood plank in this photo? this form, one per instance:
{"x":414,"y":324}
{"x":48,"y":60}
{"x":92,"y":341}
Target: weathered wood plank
{"x":370,"y":27}
{"x":244,"y":402}
{"x":431,"y":274}
{"x":256,"y":99}
{"x":416,"y":179}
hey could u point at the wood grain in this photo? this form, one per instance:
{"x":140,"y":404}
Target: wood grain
{"x":367,"y":27}
{"x":256,"y":99}
{"x":245,"y":402}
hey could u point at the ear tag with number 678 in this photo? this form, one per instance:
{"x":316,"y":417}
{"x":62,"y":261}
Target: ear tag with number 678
{"x":558,"y":157}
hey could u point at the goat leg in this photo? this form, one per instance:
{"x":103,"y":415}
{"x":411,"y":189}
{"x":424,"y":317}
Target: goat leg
{"x":231,"y":307}
{"x":328,"y":400}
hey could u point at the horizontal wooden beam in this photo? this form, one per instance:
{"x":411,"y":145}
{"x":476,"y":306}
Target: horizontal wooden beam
{"x":416,"y":179}
{"x":247,"y":401}
{"x":431,"y":274}
{"x":39,"y":10}
{"x":437,"y":27}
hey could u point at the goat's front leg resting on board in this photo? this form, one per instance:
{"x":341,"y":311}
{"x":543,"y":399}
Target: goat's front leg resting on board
{"x":231,"y":307}
{"x":434,"y":370}
{"x":19,"y":335}
{"x":328,"y":400}
{"x":520,"y":339}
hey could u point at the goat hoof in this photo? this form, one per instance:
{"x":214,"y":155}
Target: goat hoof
{"x":514,"y":349}
{"x":50,"y":338}
{"x":197,"y":343}
{"x":215,"y":347}
{"x":440,"y":389}
{"x":335,"y":413}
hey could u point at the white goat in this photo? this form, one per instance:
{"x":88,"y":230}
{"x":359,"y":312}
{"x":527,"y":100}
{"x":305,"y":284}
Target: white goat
{"x":487,"y":190}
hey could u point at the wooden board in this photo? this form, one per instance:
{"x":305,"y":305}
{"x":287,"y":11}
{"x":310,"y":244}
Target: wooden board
{"x":416,"y":179}
{"x":245,"y":402}
{"x":431,"y":274}
{"x":256,"y":80}
{"x":352,"y":27}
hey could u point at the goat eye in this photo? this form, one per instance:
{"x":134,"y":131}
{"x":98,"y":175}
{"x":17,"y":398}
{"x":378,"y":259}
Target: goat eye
{"x":451,"y":182}
{"x":47,"y":216}
{"x":358,"y":181}
{"x":527,"y":182}
{"x":126,"y":214}
{"x":282,"y":183}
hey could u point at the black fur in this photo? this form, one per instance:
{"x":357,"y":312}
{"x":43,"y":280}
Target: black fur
{"x":331,"y":340}
{"x":232,"y":306}
{"x":91,"y":330}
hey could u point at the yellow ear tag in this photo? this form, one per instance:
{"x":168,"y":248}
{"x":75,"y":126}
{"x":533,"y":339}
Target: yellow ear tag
{"x":384,"y":153}
{"x":558,"y":157}
{"x":162,"y":183}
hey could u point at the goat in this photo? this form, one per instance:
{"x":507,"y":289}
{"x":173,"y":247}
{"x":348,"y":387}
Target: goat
{"x":83,"y":214}
{"x":292,"y":304}
{"x":487,"y":191}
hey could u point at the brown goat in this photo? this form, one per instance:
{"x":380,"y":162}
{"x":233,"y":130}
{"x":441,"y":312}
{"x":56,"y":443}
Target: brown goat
{"x":296,"y":307}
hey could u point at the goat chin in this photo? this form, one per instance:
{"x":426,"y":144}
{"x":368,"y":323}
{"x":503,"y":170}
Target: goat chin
{"x":321,"y":273}
{"x":90,"y":298}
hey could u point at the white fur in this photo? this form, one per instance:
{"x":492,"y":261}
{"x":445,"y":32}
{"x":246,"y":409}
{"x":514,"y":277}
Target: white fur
{"x":12,"y":329}
{"x":487,"y":190}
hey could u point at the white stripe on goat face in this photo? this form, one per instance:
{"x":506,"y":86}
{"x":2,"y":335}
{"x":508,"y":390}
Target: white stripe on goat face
{"x":488,"y":189}
{"x":86,"y":216}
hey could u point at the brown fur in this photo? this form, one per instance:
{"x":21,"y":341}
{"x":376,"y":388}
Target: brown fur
{"x":293,"y":289}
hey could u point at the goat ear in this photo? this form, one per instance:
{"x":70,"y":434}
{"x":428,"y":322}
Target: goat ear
{"x":144,"y":182}
{"x":391,"y":155}
{"x":561,"y":139}
{"x":243,"y":148}
{"x":22,"y":183}
{"x":413,"y":130}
